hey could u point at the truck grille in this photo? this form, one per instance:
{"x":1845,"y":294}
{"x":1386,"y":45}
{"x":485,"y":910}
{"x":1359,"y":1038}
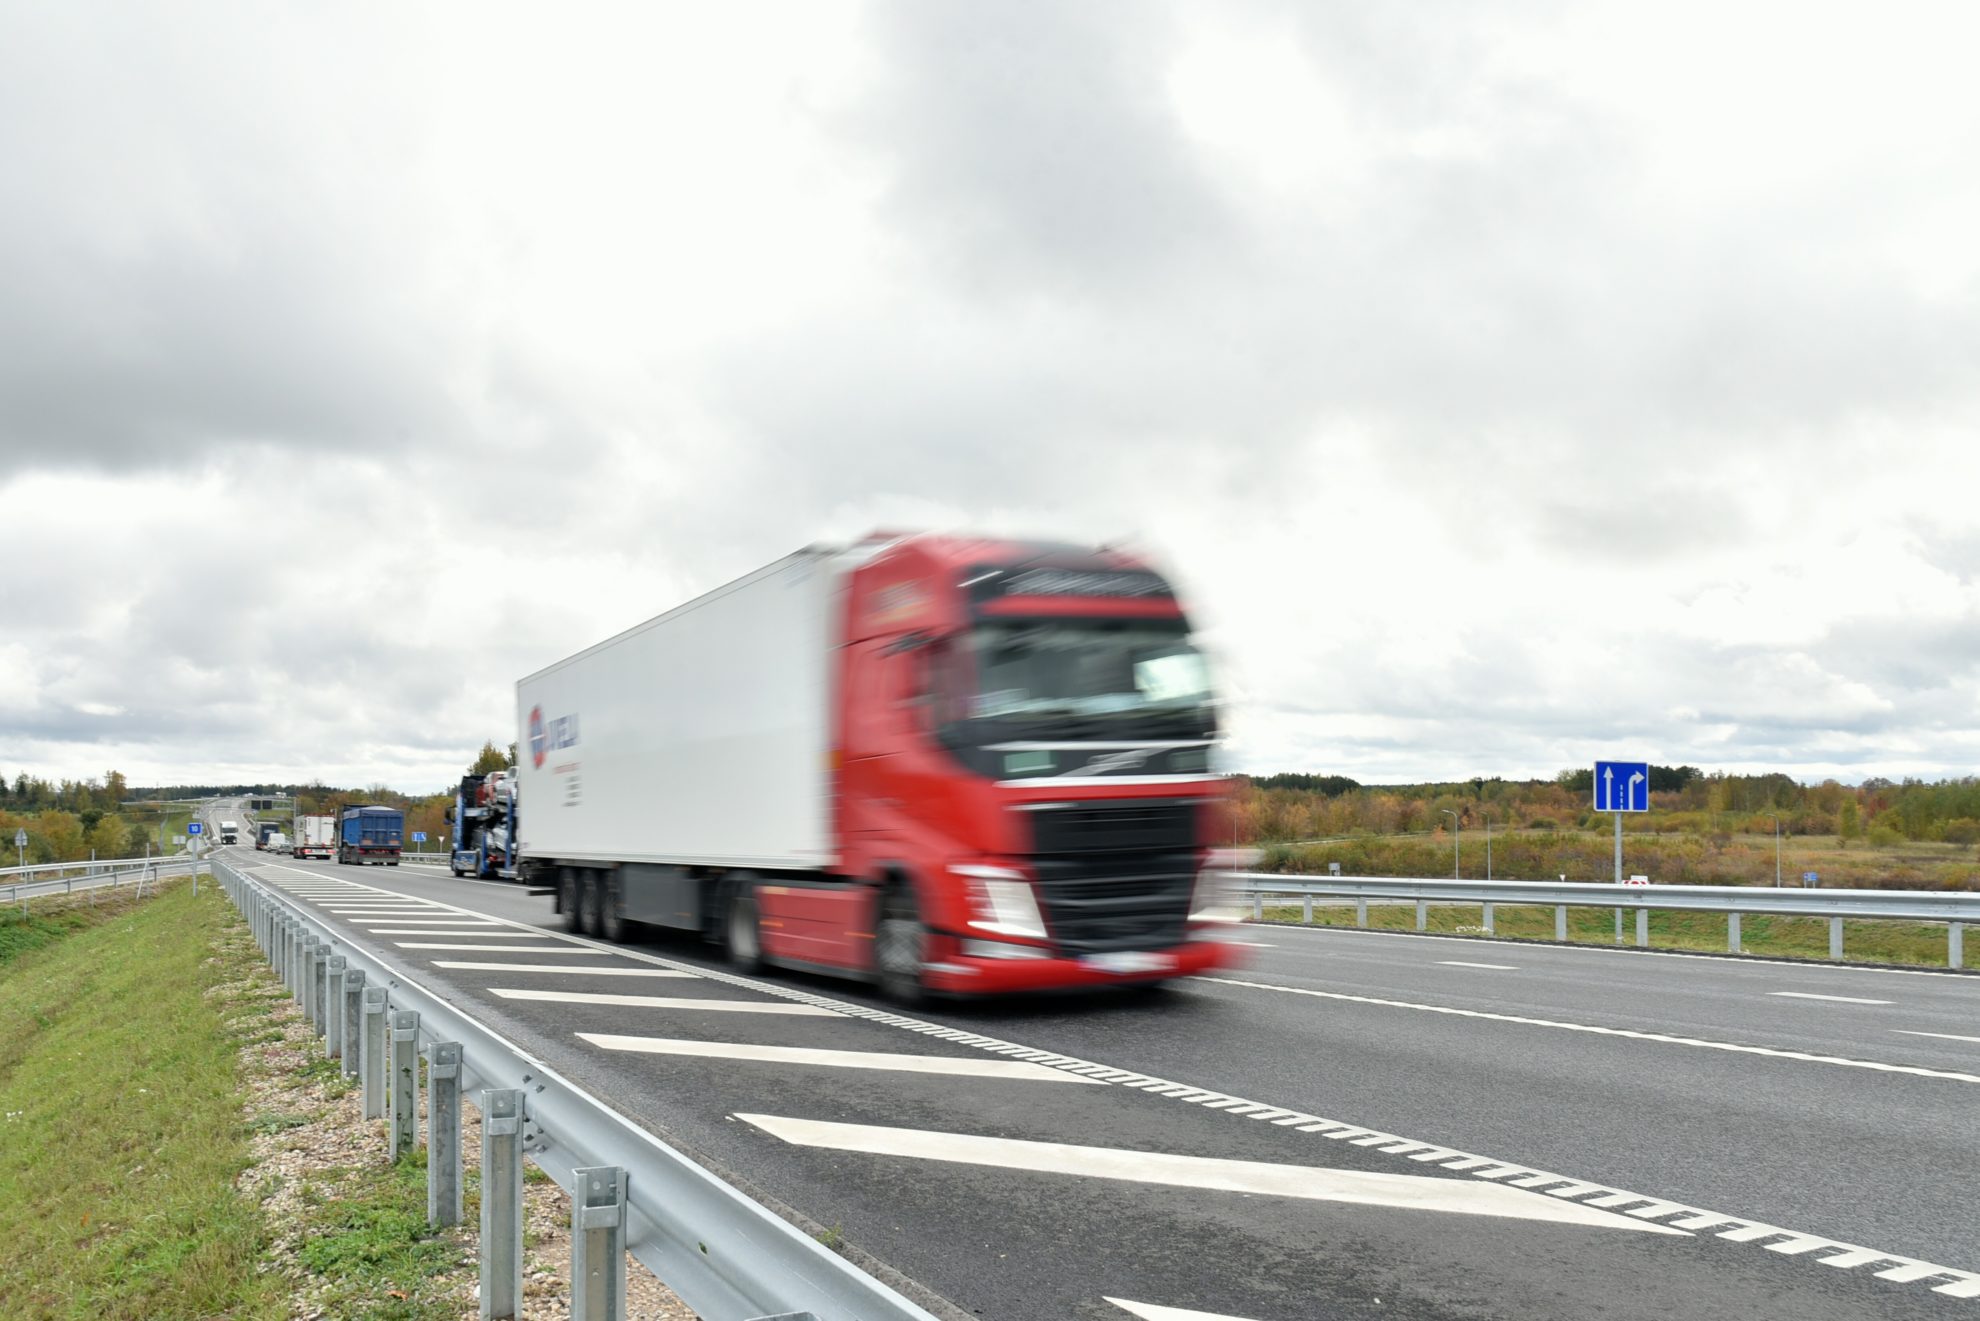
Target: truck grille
{"x":1115,"y":876}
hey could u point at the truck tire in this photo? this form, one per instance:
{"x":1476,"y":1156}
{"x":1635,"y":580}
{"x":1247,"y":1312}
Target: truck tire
{"x":570,"y":895}
{"x":742,"y":930}
{"x":613,"y":924}
{"x":900,"y":943}
{"x":592,"y":905}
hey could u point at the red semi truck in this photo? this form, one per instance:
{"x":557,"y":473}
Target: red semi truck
{"x":940,"y":763}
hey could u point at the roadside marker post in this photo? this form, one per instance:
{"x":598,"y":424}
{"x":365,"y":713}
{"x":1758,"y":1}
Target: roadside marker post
{"x":443,"y":1133}
{"x":501,"y":1202}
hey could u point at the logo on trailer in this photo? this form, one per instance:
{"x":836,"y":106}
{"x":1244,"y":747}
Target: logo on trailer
{"x":546,"y":736}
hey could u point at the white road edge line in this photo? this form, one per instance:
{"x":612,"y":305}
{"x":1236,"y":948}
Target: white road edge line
{"x":1316,"y":1183}
{"x":1155,"y":1312}
{"x":957,"y":1066}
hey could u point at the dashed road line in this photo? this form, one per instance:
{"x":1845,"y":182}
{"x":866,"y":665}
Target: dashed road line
{"x":1317,"y":1183}
{"x":1838,"y":999}
{"x":581,"y":969}
{"x":665,"y":1002}
{"x":1460,"y":963}
{"x":442,"y":944}
{"x":892,"y":1062}
{"x":1943,"y":1036}
{"x":1155,"y":1312}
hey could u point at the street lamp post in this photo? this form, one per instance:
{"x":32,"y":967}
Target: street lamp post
{"x":1454,"y":841}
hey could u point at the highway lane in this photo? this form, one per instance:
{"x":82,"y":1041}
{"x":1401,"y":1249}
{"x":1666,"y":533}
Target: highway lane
{"x":1622,"y":1112}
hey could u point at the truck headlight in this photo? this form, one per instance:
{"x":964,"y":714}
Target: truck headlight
{"x":1004,"y":902}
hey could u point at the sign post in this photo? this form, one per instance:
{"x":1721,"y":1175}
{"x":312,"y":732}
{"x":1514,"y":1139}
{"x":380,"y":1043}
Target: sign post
{"x":20,"y":844}
{"x":1621,"y":786}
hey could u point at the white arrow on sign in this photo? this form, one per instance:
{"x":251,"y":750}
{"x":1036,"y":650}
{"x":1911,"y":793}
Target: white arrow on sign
{"x":1635,"y":778}
{"x":1608,"y":788}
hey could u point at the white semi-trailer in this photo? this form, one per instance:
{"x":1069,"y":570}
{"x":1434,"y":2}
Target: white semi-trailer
{"x":315,"y":837}
{"x":943,"y":763}
{"x":230,"y":832}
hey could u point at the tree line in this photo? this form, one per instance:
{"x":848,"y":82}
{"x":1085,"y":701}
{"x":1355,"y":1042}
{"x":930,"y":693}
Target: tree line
{"x":1683,"y":799}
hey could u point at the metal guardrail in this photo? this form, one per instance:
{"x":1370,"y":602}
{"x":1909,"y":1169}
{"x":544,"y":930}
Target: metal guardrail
{"x":727,"y":1257}
{"x":1952,"y":907}
{"x":89,"y":876}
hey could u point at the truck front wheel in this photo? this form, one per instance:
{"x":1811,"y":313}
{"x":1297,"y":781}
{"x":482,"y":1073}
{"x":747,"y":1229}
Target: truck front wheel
{"x":899,"y":946}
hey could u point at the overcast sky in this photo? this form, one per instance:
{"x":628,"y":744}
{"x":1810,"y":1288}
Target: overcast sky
{"x":1507,"y":384}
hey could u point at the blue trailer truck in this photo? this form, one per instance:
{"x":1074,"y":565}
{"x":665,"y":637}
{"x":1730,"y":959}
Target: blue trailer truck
{"x":371,"y":834}
{"x":484,"y":822}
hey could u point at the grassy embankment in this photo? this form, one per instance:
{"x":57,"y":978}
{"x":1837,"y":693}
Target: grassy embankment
{"x":122,"y":1115}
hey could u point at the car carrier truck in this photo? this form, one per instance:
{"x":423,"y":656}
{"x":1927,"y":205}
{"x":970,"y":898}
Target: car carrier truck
{"x":939,"y":763}
{"x":483,"y":819}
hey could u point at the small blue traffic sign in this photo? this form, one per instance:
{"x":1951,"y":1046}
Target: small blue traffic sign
{"x":1811,"y":878}
{"x":1622,"y":786}
{"x":194,"y":827}
{"x":419,"y":837}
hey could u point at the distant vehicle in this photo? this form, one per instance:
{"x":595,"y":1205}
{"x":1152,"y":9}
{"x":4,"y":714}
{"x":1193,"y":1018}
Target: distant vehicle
{"x":937,"y":763}
{"x":371,"y":834}
{"x":484,"y":824}
{"x":230,"y":832}
{"x":262,"y":831}
{"x":278,"y":842}
{"x":314,"y":837}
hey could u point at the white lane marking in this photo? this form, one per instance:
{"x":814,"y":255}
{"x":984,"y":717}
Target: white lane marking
{"x":1154,"y":1312}
{"x":1460,"y":963}
{"x":1943,"y":1036}
{"x":1631,"y":1034}
{"x":1839,"y":999}
{"x":455,"y":931}
{"x":463,"y":925}
{"x":893,"y":1062}
{"x":534,"y":949}
{"x":1416,"y":1192}
{"x":664,"y":1002}
{"x":582,"y":969}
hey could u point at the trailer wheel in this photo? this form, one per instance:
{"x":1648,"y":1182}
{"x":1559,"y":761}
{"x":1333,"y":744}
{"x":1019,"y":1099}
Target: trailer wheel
{"x":568,"y":898}
{"x":900,"y":945}
{"x":613,"y":924}
{"x":743,"y":929}
{"x":593,"y":904}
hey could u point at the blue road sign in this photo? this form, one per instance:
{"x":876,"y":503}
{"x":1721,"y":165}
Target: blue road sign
{"x":1811,"y":878}
{"x":194,"y":827}
{"x":419,"y":837}
{"x":1622,"y":786}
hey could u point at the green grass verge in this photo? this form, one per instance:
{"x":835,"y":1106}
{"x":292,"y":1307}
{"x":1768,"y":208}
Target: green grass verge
{"x":370,"y":1246}
{"x":1915,"y":944}
{"x":120,"y":1119}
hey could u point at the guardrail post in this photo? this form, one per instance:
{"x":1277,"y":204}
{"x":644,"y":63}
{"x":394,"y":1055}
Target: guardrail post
{"x":1422,"y":915}
{"x":443,"y":1133}
{"x":312,"y":961}
{"x":1258,"y":908}
{"x":1361,"y":911}
{"x":598,"y":1244}
{"x":1619,"y":926}
{"x":501,"y":1202}
{"x":1835,"y":938}
{"x":1560,"y":922}
{"x":405,"y":1082}
{"x":319,"y":987}
{"x":1306,"y":913}
{"x":1955,"y":944}
{"x":1732,"y":933}
{"x":1643,"y":928}
{"x":1490,"y":928}
{"x":333,"y":1009}
{"x":353,"y":1016}
{"x":372,"y":1065}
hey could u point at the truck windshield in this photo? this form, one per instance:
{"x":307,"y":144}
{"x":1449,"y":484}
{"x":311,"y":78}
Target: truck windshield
{"x":1025,"y":669}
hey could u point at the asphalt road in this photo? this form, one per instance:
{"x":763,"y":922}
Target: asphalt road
{"x":1357,"y":1125}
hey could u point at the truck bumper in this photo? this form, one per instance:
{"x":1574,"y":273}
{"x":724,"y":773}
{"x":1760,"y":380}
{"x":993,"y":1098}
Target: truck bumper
{"x":957,"y":974}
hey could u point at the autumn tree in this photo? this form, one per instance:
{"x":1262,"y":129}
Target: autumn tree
{"x":490,"y":758}
{"x":1849,"y":822}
